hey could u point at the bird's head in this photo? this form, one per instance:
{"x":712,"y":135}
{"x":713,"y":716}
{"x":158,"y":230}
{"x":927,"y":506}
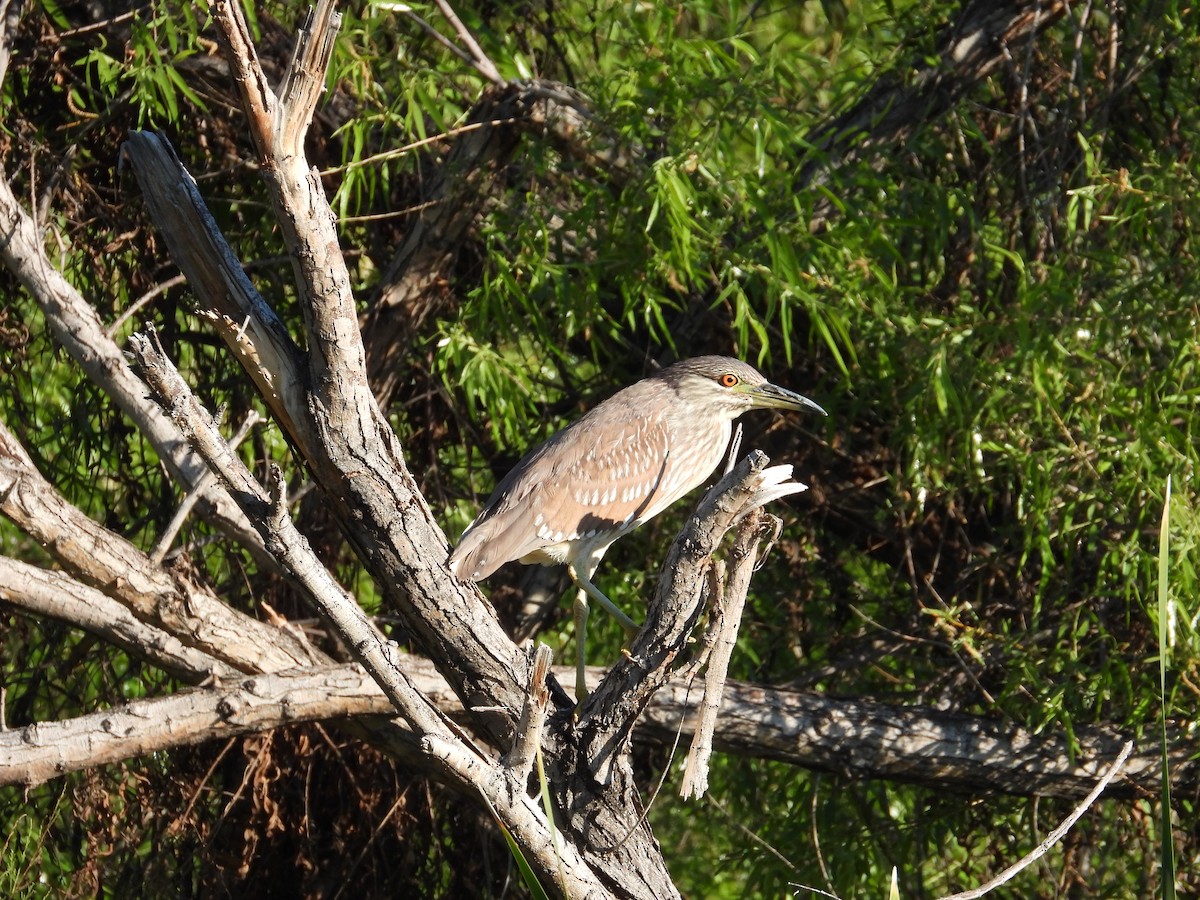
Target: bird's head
{"x":729,"y":386}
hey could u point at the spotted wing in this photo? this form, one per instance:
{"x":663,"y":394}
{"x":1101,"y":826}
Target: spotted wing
{"x":604,"y":474}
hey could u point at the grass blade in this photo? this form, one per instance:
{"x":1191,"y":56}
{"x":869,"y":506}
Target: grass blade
{"x":1165,"y":614}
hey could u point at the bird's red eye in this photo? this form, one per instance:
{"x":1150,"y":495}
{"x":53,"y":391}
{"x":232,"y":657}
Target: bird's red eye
{"x":728,"y":380}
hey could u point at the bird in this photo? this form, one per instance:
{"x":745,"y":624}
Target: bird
{"x":615,"y":468}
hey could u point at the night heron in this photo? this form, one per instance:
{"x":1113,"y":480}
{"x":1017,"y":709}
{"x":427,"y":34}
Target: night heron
{"x":620,"y":465}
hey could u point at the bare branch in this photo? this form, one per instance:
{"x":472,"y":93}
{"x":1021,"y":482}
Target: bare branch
{"x":166,"y":599}
{"x":77,"y":327}
{"x":479,"y":59}
{"x":36,"y":753}
{"x":249,"y":326}
{"x":410,"y":14}
{"x":142,"y":302}
{"x":941,"y":750}
{"x":1053,"y":837}
{"x":258,"y":100}
{"x":305,"y":78}
{"x":55,"y":595}
{"x":159,"y":553}
{"x":728,"y":611}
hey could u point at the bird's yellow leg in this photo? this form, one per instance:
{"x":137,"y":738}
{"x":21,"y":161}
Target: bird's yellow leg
{"x":581,"y":617}
{"x":584,"y":583}
{"x":586,"y":589}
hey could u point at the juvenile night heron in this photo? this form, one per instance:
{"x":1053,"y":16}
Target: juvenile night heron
{"x":620,"y":465}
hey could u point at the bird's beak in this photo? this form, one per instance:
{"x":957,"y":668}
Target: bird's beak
{"x":771,"y":396}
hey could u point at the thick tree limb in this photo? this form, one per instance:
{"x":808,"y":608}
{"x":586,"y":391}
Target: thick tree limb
{"x":78,"y":328}
{"x":852,"y":738}
{"x":249,"y":326}
{"x":446,"y":747}
{"x":862,"y":738}
{"x":353,"y":453}
{"x":167,"y":599}
{"x":36,"y":753}
{"x":55,"y":595}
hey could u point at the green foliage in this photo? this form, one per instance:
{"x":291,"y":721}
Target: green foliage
{"x":147,"y":70}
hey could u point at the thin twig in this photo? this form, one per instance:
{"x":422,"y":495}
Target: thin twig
{"x":480,"y":60}
{"x":407,"y":10}
{"x":198,"y":490}
{"x":137,"y":305}
{"x":417,"y":145}
{"x":1053,"y":837}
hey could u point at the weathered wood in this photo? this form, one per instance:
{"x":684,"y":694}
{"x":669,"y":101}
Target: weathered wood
{"x":77,"y":328}
{"x":851,"y":738}
{"x":170,"y":600}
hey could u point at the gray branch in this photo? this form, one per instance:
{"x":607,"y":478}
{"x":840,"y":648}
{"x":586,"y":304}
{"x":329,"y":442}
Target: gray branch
{"x":852,"y":739}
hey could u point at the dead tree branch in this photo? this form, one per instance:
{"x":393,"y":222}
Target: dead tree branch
{"x":43,"y":593}
{"x":446,"y":747}
{"x":608,"y":715}
{"x":78,"y":329}
{"x":169,"y":600}
{"x":983,"y":38}
{"x":852,"y":739}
